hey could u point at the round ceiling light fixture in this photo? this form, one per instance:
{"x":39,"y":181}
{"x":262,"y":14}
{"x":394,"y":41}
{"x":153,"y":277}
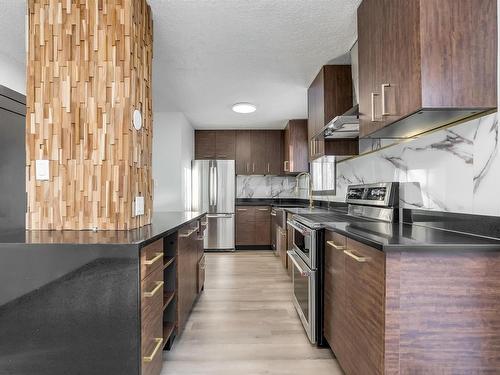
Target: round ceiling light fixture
{"x":244,"y":108}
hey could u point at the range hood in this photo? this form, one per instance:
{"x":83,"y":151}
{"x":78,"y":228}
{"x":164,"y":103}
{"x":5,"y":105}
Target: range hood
{"x":347,"y":124}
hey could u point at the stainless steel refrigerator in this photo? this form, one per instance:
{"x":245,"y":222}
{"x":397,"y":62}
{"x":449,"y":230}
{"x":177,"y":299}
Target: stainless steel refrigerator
{"x":213,"y":184}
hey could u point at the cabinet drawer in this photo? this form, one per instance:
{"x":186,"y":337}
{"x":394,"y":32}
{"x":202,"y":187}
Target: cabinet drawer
{"x":152,"y":346}
{"x":151,"y":257}
{"x":263,"y":214}
{"x":152,"y":294}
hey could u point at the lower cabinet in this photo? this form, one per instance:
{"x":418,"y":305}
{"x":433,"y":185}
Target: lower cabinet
{"x":172,"y":276}
{"x":354,"y":304}
{"x":253,"y":226}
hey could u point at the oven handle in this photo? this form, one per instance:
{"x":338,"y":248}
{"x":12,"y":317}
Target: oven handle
{"x":297,"y":228}
{"x":295,"y":259}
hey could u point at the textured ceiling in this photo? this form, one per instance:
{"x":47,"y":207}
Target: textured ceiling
{"x":209,"y":54}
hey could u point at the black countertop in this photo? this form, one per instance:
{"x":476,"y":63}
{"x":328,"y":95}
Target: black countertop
{"x":162,"y":225}
{"x":395,"y":236}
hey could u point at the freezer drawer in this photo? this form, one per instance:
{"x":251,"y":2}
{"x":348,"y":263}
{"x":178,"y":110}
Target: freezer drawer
{"x":220,"y":232}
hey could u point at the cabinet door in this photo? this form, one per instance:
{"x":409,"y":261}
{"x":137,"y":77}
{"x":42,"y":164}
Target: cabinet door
{"x":258,"y":146}
{"x":204,"y":144}
{"x":399,"y":76}
{"x":243,"y":152}
{"x":334,"y":314}
{"x":370,"y":23}
{"x":225,"y":144}
{"x":263,"y":226}
{"x":297,"y":147}
{"x":365,"y":296}
{"x":316,"y":110}
{"x":286,"y":147}
{"x":274,"y":154}
{"x":245,"y":225}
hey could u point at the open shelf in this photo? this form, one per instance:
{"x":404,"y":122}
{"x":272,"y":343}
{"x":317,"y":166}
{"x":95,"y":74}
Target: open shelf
{"x":167,"y":261}
{"x":168,"y":297}
{"x":168,"y":329}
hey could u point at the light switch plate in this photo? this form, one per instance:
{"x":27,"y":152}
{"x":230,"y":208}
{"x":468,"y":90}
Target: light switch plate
{"x":42,"y":172}
{"x":139,"y":206}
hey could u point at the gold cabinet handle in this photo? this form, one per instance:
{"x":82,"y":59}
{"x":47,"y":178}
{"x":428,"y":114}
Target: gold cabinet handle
{"x":188,"y":234}
{"x":264,"y":209}
{"x":332,"y":244}
{"x":154,"y":260}
{"x":374,"y":94}
{"x":241,"y":209}
{"x":268,"y":168}
{"x":159,"y":343}
{"x":356,"y":257}
{"x":285,"y":165}
{"x":159,"y":285}
{"x":253,"y":167}
{"x":383,"y":87}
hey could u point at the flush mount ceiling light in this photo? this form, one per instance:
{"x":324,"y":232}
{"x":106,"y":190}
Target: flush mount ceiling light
{"x":244,"y":108}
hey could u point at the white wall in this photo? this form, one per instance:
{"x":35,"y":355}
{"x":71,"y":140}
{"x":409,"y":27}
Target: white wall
{"x":173,"y":150}
{"x":12,"y":73}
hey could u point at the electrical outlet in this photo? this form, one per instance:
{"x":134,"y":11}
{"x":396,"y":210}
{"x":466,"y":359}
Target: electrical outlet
{"x":42,"y":170}
{"x":139,"y":206}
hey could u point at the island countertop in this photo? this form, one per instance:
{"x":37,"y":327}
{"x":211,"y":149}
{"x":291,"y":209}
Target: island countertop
{"x":162,"y":225}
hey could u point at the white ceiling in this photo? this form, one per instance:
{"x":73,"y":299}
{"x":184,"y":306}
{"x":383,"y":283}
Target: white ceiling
{"x":209,"y":54}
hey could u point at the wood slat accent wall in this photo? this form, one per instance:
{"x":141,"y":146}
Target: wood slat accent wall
{"x":89,"y":67}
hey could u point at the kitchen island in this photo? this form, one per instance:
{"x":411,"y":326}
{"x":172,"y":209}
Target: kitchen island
{"x":103,"y":302}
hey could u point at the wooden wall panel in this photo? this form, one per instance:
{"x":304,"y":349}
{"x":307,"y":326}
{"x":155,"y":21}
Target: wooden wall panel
{"x":89,"y":67}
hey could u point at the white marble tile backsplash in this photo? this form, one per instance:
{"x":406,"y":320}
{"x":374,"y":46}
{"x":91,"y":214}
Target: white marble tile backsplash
{"x":455,"y":170}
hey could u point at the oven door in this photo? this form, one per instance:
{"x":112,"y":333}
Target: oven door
{"x":304,"y":294}
{"x":304,"y":243}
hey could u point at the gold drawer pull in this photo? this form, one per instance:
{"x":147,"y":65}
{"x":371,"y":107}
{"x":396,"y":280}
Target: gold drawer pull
{"x":154,"y":260}
{"x":332,"y":244}
{"x":241,"y":209}
{"x":188,"y":234}
{"x":158,"y":286}
{"x":159,"y":343}
{"x":356,"y":257}
{"x":264,"y":209}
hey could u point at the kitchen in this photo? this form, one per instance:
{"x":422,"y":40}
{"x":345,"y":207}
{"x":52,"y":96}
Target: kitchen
{"x":222,"y":187}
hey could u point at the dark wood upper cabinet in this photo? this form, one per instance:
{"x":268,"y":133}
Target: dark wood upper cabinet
{"x":258,"y":146}
{"x":329,"y":95}
{"x":295,"y":149}
{"x":274,"y":152}
{"x":243,"y":152}
{"x":225,"y":144}
{"x":215,"y":144}
{"x":204,"y":144}
{"x":418,"y":57}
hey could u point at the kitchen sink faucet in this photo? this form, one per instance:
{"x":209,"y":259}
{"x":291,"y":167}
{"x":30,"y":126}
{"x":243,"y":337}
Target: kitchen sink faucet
{"x":309,"y":189}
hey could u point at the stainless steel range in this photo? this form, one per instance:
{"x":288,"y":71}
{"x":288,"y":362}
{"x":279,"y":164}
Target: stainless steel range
{"x":371,"y":202}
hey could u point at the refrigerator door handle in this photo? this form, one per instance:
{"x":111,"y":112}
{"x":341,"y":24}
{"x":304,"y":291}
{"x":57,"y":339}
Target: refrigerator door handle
{"x":216,"y":183}
{"x":211,"y":187}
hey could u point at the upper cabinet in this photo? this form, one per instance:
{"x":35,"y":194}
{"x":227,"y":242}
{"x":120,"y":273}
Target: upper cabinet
{"x":215,"y":144}
{"x":329,"y":95}
{"x":424,"y":64}
{"x":259,"y":152}
{"x":295,"y":147}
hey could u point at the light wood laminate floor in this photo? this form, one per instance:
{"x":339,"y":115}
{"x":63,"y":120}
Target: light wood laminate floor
{"x":245,"y":323}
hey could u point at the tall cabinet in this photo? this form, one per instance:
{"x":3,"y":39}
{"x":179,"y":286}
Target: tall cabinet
{"x":427,"y":63}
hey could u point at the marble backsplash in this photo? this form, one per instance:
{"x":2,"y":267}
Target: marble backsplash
{"x":269,"y":187}
{"x":453,"y":170}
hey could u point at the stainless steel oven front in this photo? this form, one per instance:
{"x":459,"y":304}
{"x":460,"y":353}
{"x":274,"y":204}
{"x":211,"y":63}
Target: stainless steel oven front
{"x":304,"y":242}
{"x":304,"y":294}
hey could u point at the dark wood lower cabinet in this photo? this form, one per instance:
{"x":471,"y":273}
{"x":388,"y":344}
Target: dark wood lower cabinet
{"x":253,"y":226}
{"x":411,"y":312}
{"x":172,"y":276}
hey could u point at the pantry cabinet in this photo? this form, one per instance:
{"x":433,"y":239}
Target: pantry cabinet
{"x":424,"y":64}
